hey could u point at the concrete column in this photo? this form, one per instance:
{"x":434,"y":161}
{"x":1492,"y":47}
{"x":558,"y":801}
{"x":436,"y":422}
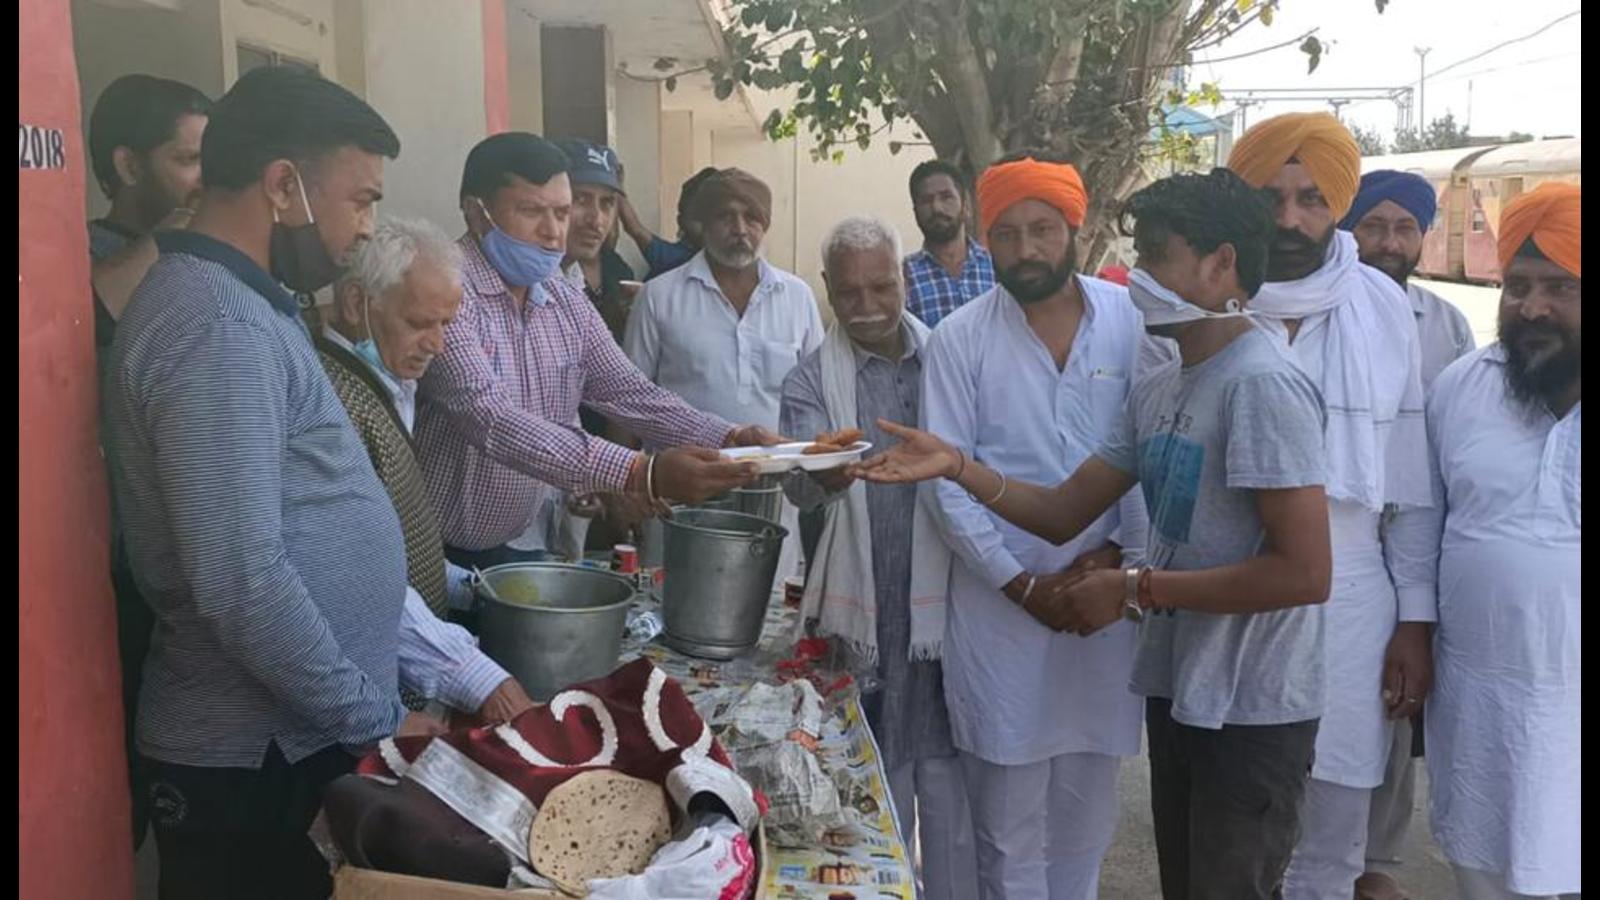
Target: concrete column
{"x":74,"y":837}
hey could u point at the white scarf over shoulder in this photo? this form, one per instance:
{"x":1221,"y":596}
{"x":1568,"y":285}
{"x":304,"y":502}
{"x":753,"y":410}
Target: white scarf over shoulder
{"x":1371,"y":377}
{"x":840,"y":591}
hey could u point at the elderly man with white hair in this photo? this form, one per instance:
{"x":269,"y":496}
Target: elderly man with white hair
{"x":386,"y":325}
{"x":874,"y":583}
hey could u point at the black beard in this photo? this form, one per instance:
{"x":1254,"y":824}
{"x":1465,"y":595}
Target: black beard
{"x":1033,"y":290}
{"x":1293,"y":256}
{"x":1535,"y":383}
{"x":153,"y":205}
{"x":1397,"y":267}
{"x":940,"y":230}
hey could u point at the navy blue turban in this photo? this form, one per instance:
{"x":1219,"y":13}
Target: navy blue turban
{"x":1411,"y":192}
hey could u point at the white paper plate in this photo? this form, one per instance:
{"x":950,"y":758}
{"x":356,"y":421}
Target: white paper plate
{"x":784,"y":457}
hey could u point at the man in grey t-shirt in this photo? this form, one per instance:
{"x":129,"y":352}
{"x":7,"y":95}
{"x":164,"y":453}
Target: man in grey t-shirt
{"x":1227,"y":445}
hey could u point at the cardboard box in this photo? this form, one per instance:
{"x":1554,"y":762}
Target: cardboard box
{"x":351,"y":883}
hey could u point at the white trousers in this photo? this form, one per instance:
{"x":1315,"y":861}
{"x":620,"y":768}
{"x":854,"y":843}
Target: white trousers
{"x":930,"y":796}
{"x":1393,"y":804}
{"x":1042,"y":829}
{"x":1333,"y":843}
{"x":1475,"y":884}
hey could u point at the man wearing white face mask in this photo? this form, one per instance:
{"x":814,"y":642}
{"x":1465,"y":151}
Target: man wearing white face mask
{"x":1351,"y":330}
{"x":497,"y":428}
{"x":1227,"y":447}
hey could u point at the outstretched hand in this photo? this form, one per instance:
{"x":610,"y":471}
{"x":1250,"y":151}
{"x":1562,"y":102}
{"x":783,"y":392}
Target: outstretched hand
{"x":919,"y":456}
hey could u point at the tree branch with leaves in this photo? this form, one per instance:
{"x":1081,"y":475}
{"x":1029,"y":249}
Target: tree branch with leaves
{"x":976,"y":79}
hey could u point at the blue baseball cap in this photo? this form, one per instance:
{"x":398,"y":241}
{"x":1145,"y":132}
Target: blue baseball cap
{"x":592,"y":163}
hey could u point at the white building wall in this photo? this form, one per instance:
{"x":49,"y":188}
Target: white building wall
{"x":435,"y":106}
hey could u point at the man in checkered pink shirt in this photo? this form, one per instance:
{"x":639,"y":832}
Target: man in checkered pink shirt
{"x":497,"y":430}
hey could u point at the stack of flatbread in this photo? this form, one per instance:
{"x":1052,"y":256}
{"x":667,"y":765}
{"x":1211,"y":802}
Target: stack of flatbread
{"x":599,"y":824}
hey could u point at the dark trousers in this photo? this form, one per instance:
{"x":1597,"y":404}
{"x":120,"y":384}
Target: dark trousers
{"x":494,"y":556}
{"x":241,"y":833}
{"x":1226,"y":804}
{"x":134,"y":623}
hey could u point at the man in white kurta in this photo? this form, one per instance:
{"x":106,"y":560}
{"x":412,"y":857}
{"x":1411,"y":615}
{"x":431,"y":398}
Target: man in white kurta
{"x":1505,"y":720}
{"x":1390,"y":218}
{"x":1351,"y":331}
{"x":1040,"y":718}
{"x":725,"y":329}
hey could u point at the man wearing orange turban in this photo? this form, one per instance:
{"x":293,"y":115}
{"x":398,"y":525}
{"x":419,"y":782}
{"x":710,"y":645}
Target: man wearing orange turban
{"x":1551,"y":216}
{"x":1505,"y":724}
{"x":1351,"y":330}
{"x":1030,"y":378}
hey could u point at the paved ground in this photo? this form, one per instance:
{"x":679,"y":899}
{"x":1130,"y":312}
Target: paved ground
{"x":1130,"y":868}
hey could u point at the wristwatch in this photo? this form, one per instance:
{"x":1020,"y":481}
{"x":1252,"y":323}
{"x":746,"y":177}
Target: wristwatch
{"x":1131,"y":610}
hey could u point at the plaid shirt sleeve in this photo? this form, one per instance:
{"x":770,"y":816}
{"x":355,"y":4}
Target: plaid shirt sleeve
{"x":613,"y":385}
{"x":462,"y":382}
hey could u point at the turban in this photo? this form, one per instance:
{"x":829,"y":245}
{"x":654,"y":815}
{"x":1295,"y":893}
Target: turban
{"x":1317,"y":140}
{"x":1552,"y":215}
{"x":1004,"y":185}
{"x":1409,"y":191}
{"x":716,"y":191}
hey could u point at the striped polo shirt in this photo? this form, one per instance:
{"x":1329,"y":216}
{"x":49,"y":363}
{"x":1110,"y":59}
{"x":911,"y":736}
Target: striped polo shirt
{"x":255,"y":525}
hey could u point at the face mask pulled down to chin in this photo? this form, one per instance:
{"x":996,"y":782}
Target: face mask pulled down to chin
{"x":299,"y":259}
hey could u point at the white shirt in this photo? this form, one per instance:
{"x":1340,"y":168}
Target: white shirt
{"x":438,"y":660}
{"x":685,"y":336}
{"x":1505,"y":718}
{"x":1018,"y":692}
{"x":458,"y":581}
{"x":1443,"y":330}
{"x":1380,"y":577}
{"x":403,"y":392}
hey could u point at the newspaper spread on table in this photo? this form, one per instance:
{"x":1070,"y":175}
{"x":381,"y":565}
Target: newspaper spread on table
{"x":860,"y":854}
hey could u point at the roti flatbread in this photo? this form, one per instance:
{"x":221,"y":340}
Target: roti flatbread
{"x":600,"y":824}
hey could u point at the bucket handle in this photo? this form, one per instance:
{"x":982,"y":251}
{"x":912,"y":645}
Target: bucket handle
{"x":478,"y":581}
{"x":761,"y":544}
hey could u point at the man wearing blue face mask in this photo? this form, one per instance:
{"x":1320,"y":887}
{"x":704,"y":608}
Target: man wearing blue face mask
{"x":498,"y":431}
{"x":1227,"y":446}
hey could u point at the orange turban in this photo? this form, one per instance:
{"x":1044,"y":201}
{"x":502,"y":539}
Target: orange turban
{"x":1551,"y":214}
{"x":1320,"y":143}
{"x":1005,"y":185}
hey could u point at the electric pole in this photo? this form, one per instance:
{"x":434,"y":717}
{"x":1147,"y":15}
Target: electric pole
{"x":1422,"y":87}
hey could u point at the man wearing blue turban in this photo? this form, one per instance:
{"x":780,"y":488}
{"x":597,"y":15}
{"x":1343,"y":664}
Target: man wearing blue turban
{"x":1391,"y":213}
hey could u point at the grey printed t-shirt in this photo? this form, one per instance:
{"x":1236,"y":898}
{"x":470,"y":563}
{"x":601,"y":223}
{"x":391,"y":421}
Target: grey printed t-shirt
{"x":1201,"y":440}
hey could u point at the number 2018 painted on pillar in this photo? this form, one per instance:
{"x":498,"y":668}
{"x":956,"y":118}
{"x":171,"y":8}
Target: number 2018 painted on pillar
{"x":41,"y":148}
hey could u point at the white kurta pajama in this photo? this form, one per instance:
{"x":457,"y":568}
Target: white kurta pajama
{"x":1357,"y":341}
{"x":685,"y":336}
{"x":1445,"y":336}
{"x":1504,"y":722}
{"x":1039,"y":717}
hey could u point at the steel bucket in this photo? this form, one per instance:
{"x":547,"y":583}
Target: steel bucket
{"x":764,"y":499}
{"x":719,"y":571}
{"x":552,"y":625}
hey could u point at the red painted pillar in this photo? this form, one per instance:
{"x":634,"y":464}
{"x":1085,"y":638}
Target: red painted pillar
{"x":74,"y":837}
{"x":496,"y":79}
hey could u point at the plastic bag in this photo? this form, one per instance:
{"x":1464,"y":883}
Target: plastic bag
{"x":714,"y":861}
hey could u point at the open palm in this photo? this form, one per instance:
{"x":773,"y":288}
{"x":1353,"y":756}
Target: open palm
{"x":918,"y":456}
